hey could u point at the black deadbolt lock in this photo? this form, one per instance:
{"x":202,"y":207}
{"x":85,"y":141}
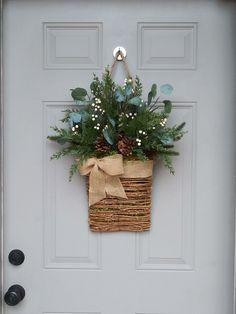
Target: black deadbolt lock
{"x":14,"y":295}
{"x":16,"y":257}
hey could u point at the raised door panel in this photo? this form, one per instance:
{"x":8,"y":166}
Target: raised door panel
{"x":167,"y":46}
{"x":72,"y":45}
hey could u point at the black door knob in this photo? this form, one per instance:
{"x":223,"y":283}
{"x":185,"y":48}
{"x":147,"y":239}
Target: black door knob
{"x":14,"y":295}
{"x":16,"y":257}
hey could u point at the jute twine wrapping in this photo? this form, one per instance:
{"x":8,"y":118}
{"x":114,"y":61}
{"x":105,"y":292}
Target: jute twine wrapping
{"x":131,"y":209}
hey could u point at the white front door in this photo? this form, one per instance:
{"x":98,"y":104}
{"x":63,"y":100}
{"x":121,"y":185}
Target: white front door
{"x":184,"y":265}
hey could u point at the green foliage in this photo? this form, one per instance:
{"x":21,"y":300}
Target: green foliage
{"x":135,"y":101}
{"x":79,"y":93}
{"x":167,"y":106}
{"x":110,"y":111}
{"x":73,"y":170}
{"x":138,"y":87}
{"x":152,"y":93}
{"x":109,"y":134}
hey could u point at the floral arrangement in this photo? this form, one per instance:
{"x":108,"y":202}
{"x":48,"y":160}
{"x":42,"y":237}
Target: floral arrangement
{"x":113,"y":119}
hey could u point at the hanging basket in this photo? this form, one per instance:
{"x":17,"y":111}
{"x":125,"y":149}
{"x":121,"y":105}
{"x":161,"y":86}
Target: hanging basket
{"x":126,"y":214}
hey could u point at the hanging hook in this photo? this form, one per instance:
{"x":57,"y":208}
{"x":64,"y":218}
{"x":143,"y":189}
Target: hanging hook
{"x":119,"y":53}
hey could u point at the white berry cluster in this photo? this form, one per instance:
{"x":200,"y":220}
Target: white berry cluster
{"x":138,"y":140}
{"x":97,"y":108}
{"x":131,"y":115}
{"x":97,"y":100}
{"x":94,"y":116}
{"x":142,"y":132}
{"x":97,"y":126}
{"x":163,"y":122}
{"x":127,"y":81}
{"x":75,"y":127}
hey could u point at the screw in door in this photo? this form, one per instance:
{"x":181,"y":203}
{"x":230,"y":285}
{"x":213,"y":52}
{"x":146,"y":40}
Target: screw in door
{"x":16,"y":257}
{"x":14,"y":295}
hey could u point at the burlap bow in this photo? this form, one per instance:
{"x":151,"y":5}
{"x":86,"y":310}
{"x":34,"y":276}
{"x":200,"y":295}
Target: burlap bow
{"x":104,"y":177}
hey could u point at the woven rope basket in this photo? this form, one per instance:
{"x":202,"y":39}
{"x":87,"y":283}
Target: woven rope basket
{"x":131,"y":214}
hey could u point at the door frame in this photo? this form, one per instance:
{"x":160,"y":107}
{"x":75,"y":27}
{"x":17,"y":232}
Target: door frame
{"x":2,"y":174}
{"x":1,"y":155}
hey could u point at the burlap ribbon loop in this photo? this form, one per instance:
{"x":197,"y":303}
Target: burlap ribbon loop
{"x":104,"y":177}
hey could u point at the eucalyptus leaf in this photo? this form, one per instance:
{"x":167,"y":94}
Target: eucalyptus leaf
{"x":135,"y":101}
{"x":166,"y":89}
{"x":149,"y":98}
{"x":112,"y":121}
{"x":152,"y":94}
{"x":128,"y":89}
{"x":167,"y":106}
{"x":82,"y":102}
{"x":108,"y":135}
{"x":154,"y":90}
{"x":85,"y":116}
{"x":75,"y":117}
{"x":119,"y":95}
{"x":78,"y":93}
{"x":165,"y":139}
